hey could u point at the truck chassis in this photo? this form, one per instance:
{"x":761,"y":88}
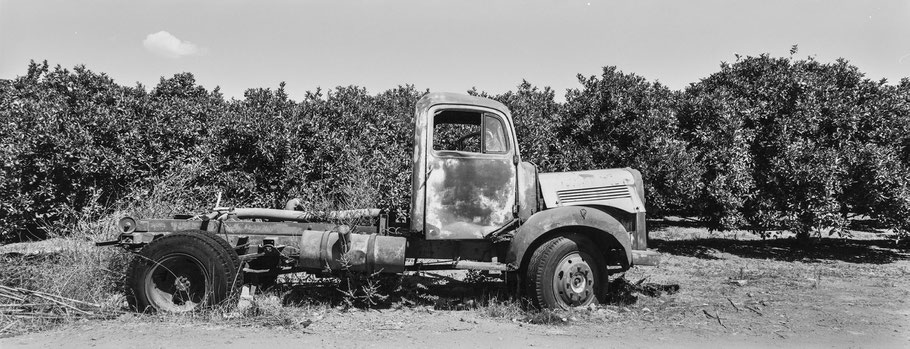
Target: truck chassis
{"x":474,"y":206}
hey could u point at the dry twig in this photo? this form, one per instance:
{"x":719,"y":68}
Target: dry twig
{"x":716,"y":317}
{"x":733,"y":304}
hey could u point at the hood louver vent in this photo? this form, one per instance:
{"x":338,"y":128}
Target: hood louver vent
{"x":612,"y":192}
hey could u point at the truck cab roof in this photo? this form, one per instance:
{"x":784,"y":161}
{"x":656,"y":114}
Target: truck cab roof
{"x":435,"y":98}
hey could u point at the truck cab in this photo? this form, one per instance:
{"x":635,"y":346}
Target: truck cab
{"x":469,"y":183}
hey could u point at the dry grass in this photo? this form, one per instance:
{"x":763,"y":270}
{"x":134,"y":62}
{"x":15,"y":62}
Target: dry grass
{"x":74,"y":271}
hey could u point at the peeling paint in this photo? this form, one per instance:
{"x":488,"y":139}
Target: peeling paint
{"x":609,"y":187}
{"x":469,"y":197}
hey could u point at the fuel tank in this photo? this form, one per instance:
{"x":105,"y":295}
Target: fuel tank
{"x":359,"y":252}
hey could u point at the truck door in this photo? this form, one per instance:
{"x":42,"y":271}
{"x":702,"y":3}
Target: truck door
{"x":471,"y":181}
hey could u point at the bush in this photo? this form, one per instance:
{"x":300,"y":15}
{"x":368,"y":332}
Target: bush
{"x":773,"y":143}
{"x":68,"y":140}
{"x":622,"y":120}
{"x":786,"y":143}
{"x":534,"y":113}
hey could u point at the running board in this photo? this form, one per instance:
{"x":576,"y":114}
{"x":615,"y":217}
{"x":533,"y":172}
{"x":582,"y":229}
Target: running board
{"x":460,"y":264}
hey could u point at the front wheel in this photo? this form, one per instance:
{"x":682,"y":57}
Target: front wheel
{"x":565,"y":272}
{"x":183,"y":271}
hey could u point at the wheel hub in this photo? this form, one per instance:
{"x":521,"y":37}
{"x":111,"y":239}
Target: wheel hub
{"x":182,"y":284}
{"x":176,"y":283}
{"x":573,"y":281}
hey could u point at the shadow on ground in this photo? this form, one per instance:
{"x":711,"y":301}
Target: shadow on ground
{"x":382,"y":291}
{"x":881,"y":251}
{"x":856,"y":224}
{"x":441,"y":292}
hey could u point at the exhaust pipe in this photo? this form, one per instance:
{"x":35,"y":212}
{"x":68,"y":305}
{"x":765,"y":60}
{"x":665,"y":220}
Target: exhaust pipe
{"x":300,"y":216}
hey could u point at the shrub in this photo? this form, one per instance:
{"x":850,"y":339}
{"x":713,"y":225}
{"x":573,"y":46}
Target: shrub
{"x":622,"y":120}
{"x":768,"y":142}
{"x":69,"y":139}
{"x":786,"y":143}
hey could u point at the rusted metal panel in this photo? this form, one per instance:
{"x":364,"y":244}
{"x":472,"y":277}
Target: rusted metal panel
{"x":612,"y":187}
{"x":527,"y":190}
{"x":423,"y":168}
{"x":170,"y":225}
{"x":477,"y":250}
{"x":449,"y":98}
{"x":419,"y":165}
{"x":640,"y":236}
{"x":569,"y":219}
{"x":470,"y":194}
{"x":468,"y":198}
{"x":332,"y":250}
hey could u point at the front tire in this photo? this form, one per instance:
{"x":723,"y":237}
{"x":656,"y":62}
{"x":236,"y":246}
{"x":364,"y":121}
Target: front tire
{"x":183,"y":272}
{"x":565,"y":272}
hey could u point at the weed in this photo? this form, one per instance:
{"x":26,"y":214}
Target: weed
{"x":79,"y":272}
{"x":548,"y":317}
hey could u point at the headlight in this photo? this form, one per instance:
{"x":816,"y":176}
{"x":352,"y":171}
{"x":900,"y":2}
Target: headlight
{"x":127,"y":224}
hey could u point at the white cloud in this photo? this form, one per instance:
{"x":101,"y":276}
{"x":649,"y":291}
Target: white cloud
{"x":167,"y":45}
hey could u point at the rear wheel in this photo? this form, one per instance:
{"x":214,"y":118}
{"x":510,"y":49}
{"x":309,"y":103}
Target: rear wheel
{"x":184,"y":271}
{"x":565,"y":272}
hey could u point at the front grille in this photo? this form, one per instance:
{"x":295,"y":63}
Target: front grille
{"x":612,"y":192}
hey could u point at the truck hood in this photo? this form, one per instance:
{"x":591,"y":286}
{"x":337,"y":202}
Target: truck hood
{"x":620,"y":188}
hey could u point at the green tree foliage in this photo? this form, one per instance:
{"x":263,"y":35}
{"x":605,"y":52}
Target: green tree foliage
{"x":622,"y":120}
{"x":765,"y":142}
{"x":68,"y":143}
{"x":534,"y":112}
{"x":254,"y":144}
{"x":359,"y":146}
{"x":713,"y":123}
{"x":795,"y":144}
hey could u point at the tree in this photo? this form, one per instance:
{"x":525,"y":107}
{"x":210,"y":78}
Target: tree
{"x":69,"y":147}
{"x":796,"y":136}
{"x":622,"y":120}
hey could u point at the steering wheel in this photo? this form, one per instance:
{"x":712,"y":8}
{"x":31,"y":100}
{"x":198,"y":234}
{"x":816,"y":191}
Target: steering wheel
{"x":459,"y":143}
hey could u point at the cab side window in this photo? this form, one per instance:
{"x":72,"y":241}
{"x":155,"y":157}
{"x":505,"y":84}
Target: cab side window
{"x":457,"y":130}
{"x":467,"y":131}
{"x":494,"y":140}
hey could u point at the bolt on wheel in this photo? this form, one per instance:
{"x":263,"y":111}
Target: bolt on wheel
{"x":184,"y":271}
{"x":573,"y":281}
{"x":565,"y":272}
{"x":176,"y":283}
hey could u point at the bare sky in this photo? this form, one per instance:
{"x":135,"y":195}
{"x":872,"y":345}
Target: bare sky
{"x":442,"y":45}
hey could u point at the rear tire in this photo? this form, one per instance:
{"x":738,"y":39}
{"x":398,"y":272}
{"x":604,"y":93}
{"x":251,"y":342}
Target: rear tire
{"x":184,"y":271}
{"x":565,"y":272}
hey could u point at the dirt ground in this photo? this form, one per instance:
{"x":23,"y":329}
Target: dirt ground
{"x":735,"y":291}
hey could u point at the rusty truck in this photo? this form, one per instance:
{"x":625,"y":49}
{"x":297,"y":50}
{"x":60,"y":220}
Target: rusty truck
{"x":474,"y":205}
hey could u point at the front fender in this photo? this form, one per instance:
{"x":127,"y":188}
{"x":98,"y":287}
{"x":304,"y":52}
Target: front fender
{"x":566,"y":217}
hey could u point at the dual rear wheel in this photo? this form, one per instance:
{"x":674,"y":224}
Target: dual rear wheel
{"x":184,"y":271}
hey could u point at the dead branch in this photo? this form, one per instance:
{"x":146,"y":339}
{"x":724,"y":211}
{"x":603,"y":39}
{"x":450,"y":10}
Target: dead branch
{"x":59,"y":297}
{"x":716,"y":317}
{"x":733,"y":304}
{"x":11,"y":324}
{"x":63,"y":304}
{"x":754,"y":310}
{"x":11,"y":297}
{"x":24,"y":305}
